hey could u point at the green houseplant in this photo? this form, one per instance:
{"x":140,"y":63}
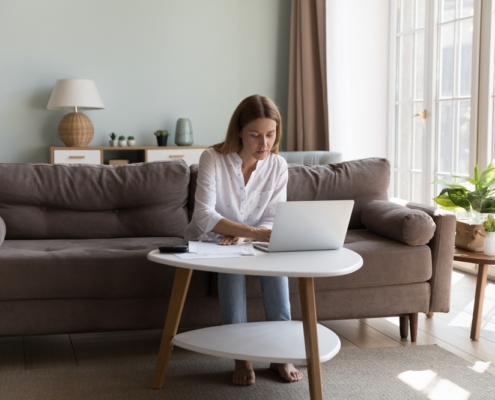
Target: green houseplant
{"x":131,"y":141}
{"x":122,"y":141}
{"x":489,"y":242}
{"x":161,"y":137}
{"x":476,"y":195}
{"x":113,"y":140}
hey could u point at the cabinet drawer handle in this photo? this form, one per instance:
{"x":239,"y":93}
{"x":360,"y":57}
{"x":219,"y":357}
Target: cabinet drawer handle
{"x":78,"y":157}
{"x":176,"y":155}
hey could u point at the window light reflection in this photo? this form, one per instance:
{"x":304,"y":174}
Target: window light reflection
{"x":432,"y":386}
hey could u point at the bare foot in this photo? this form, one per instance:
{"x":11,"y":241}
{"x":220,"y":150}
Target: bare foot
{"x":243,"y":373}
{"x":287,"y":371}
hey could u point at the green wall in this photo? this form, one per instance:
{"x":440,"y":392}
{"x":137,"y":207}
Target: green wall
{"x":153,"y":61}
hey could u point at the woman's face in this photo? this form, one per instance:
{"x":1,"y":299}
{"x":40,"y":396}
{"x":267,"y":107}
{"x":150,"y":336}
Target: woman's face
{"x":258,"y":138}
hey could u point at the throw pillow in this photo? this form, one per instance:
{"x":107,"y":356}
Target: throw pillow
{"x":3,"y":230}
{"x":412,"y":227}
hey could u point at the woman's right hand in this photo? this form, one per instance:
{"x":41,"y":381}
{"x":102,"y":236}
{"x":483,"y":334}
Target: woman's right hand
{"x":262,"y":234}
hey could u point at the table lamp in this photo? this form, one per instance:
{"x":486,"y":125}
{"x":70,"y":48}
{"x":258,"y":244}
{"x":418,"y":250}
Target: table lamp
{"x":75,"y":129}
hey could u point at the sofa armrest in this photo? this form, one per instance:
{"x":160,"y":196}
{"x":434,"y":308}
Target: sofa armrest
{"x":405,"y":225}
{"x":442,"y":253}
{"x":3,"y":230}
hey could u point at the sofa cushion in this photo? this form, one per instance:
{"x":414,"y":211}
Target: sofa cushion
{"x":412,"y":227}
{"x":360,"y":180}
{"x":2,"y":230}
{"x":89,"y":269}
{"x":43,"y":201}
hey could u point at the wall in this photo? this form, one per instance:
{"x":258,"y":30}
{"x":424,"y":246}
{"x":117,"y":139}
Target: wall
{"x":153,"y":61}
{"x":368,"y":62}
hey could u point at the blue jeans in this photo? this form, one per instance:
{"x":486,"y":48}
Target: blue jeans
{"x":232,"y":296}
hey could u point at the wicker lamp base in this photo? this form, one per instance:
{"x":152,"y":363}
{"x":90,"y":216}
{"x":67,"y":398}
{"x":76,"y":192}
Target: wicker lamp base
{"x":76,"y":130}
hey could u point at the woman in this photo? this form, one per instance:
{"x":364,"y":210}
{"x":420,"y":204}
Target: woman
{"x":240,"y":183}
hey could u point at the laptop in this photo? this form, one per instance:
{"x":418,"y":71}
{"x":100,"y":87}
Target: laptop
{"x":309,"y":225}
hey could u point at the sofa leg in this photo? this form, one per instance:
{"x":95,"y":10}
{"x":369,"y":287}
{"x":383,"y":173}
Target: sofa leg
{"x":430,"y":314}
{"x":413,"y":322}
{"x":404,"y":326}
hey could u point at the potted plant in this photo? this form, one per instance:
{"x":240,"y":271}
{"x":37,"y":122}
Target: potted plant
{"x":130,"y":141}
{"x":477,"y":197}
{"x":161,"y":137}
{"x":113,"y":140}
{"x":122,"y":141}
{"x":489,"y":242}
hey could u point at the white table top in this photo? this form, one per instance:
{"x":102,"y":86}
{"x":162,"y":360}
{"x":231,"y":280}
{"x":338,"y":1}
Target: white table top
{"x":271,"y":341}
{"x":303,"y":264}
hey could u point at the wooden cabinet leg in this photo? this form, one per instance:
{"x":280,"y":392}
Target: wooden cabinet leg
{"x":478,"y":301}
{"x":308,"y":308}
{"x":404,"y":326}
{"x":413,"y":323}
{"x":176,"y":305}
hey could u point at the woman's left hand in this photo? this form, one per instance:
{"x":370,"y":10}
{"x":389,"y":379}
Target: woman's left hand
{"x":229,"y":240}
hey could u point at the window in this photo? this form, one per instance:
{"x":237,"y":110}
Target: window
{"x":436,"y":51}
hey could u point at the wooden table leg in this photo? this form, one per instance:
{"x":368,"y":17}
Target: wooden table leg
{"x":308,"y":308}
{"x":478,"y":301}
{"x":176,"y":305}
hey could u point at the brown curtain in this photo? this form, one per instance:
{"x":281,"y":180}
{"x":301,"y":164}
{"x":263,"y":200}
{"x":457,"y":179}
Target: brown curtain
{"x":307,"y":114}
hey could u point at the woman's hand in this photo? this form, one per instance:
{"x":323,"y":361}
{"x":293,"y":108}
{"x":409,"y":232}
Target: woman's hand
{"x":262,"y":234}
{"x":230,"y":240}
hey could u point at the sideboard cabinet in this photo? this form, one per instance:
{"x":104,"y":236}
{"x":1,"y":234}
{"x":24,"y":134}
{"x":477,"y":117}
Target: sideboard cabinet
{"x":133,"y":154}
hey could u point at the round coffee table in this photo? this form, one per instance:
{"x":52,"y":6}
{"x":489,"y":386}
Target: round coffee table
{"x":267,"y":340}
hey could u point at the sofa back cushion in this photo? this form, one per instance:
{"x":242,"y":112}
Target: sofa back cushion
{"x":43,"y":201}
{"x":360,"y":180}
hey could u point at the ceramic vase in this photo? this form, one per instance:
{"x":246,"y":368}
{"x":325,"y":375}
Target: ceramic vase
{"x":183,"y":132}
{"x":131,"y":143}
{"x":113,"y":143}
{"x":489,"y":244}
{"x":123,"y":143}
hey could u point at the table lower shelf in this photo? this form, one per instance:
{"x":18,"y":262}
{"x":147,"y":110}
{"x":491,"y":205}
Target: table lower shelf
{"x":271,"y":341}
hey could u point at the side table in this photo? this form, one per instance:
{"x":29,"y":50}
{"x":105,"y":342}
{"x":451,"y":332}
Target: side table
{"x":265,"y":341}
{"x":483,"y":262}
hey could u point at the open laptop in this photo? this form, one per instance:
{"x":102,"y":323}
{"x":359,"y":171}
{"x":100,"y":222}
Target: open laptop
{"x":309,"y":225}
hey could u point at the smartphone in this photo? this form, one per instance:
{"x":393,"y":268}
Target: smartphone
{"x":174,"y":248}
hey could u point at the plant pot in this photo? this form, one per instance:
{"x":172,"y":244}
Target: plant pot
{"x":469,"y":236}
{"x":489,"y":244}
{"x":113,"y":143}
{"x":161,"y":140}
{"x":131,"y":142}
{"x":122,"y":143}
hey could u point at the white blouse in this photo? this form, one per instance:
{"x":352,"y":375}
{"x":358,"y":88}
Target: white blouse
{"x":221,"y":193}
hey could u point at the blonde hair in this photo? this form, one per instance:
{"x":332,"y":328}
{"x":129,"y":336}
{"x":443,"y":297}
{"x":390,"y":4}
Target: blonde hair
{"x":251,"y":108}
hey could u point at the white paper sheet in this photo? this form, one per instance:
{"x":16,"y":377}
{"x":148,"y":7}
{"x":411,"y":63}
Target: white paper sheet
{"x":214,"y":250}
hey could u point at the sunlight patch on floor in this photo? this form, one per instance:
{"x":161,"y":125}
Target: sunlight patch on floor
{"x":480,"y":366}
{"x":432,"y":386}
{"x":394,"y":320}
{"x":456,"y":277}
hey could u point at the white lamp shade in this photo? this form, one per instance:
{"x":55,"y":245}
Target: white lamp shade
{"x":71,"y":93}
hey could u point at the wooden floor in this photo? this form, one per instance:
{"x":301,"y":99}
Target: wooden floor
{"x":450,"y":331}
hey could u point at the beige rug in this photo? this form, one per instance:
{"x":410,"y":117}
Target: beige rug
{"x":415,"y":372}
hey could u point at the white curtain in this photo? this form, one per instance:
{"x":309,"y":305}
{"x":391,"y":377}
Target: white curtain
{"x":339,"y":113}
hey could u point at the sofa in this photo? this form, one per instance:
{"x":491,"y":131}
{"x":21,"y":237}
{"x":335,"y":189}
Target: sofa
{"x":75,"y":240}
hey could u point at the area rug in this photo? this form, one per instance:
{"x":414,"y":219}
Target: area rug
{"x":415,"y":372}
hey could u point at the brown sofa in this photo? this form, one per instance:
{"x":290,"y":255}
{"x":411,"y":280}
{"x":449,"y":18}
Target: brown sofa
{"x":76,"y":239}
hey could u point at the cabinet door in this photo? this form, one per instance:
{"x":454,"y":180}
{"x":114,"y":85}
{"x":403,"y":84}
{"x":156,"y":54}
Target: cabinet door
{"x":190,"y":156}
{"x":77,"y":156}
